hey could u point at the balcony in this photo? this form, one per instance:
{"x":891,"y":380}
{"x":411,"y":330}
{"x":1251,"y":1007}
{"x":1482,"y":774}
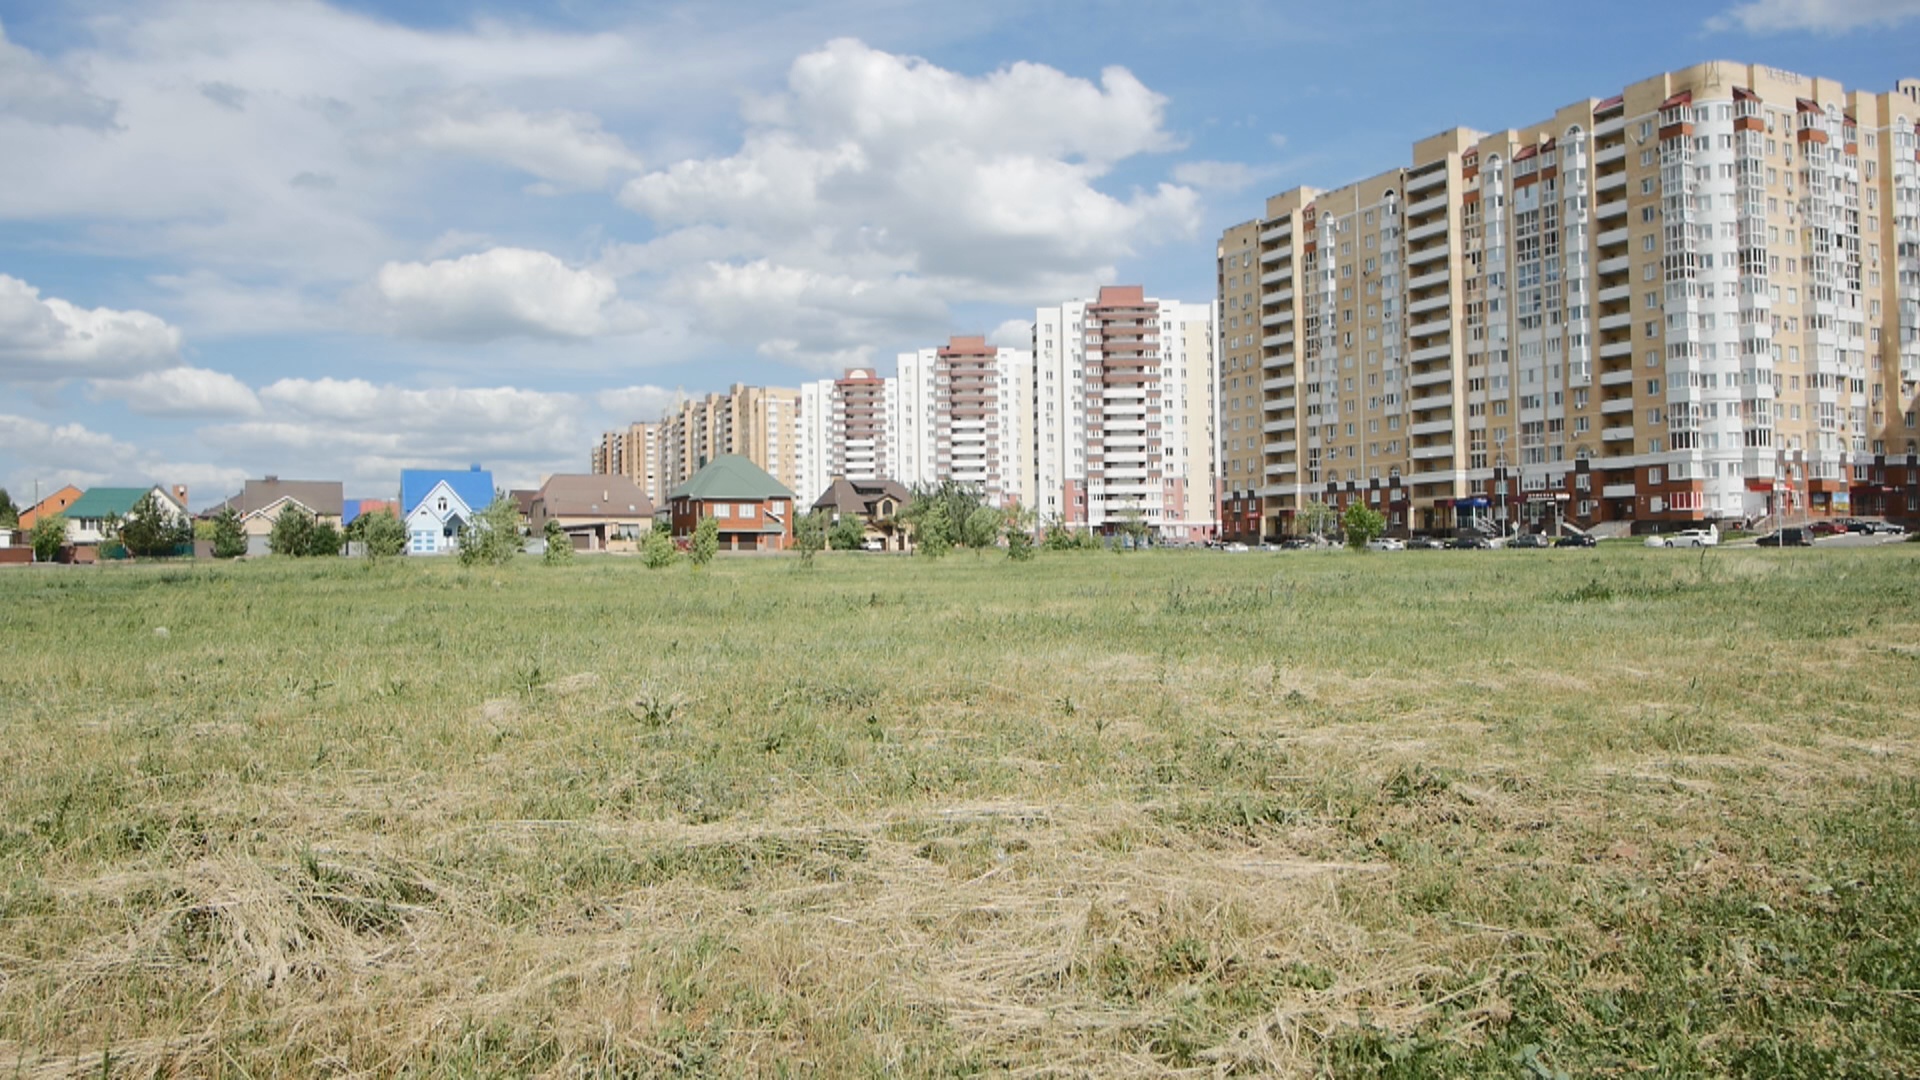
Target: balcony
{"x":1442,"y":400}
{"x":1425,"y":281}
{"x":1617,"y":406}
{"x":1610,"y":181}
{"x":1612,"y":209}
{"x":1274,"y":341}
{"x":1431,"y":352}
{"x":1437,"y":251}
{"x":1616,"y":265}
{"x":1615,"y":322}
{"x":1616,"y":152}
{"x":1420,"y":307}
{"x":1622,"y":377}
{"x":1279,"y":469}
{"x":1437,"y":201}
{"x":1428,"y":378}
{"x":1284,"y":382}
{"x":1617,"y":434}
{"x":1613,"y":237}
{"x":1615,"y":294}
{"x":1274,"y":427}
{"x":1425,"y":180}
{"x":1433,"y":427}
{"x":1278,"y":231}
{"x":1617,"y":491}
{"x":1285,"y":446}
{"x":1279,"y":296}
{"x":1433,"y":228}
{"x":1430,"y":328}
{"x":1428,"y":453}
{"x":1281,"y":274}
{"x":1283,"y":253}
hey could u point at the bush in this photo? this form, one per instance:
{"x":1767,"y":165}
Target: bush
{"x":292,"y":533}
{"x":933,"y":532}
{"x":847,"y":534}
{"x":492,"y":537}
{"x":1019,"y":544}
{"x":809,"y":535}
{"x":559,"y":545}
{"x":150,"y":529}
{"x":324,"y":541}
{"x":657,"y":551}
{"x":381,"y":535}
{"x":706,"y":541}
{"x":1362,"y":525}
{"x":48,"y":536}
{"x":981,"y":529}
{"x":229,"y":539}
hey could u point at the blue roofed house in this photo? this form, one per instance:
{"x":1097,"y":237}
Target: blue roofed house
{"x":436,"y":503}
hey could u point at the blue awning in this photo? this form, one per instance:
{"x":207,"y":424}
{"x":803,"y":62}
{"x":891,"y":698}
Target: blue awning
{"x":1477,"y":501}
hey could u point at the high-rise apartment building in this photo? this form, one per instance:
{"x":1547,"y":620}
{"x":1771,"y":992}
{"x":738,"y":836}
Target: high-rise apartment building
{"x":632,"y":452}
{"x":963,"y":412}
{"x":1693,"y":300}
{"x":1123,"y":413}
{"x":761,"y":424}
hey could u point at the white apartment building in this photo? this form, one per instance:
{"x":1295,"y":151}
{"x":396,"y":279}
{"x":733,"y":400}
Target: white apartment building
{"x":1123,"y":413}
{"x":963,"y":412}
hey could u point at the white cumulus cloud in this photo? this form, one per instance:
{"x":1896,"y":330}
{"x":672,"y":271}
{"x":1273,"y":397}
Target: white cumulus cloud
{"x":1817,"y":16}
{"x":51,"y":339}
{"x":181,"y":391}
{"x":567,"y":150}
{"x":1012,"y":334}
{"x":502,"y":292}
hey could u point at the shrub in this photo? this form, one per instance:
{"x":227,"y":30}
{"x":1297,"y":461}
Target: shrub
{"x":493,"y":537}
{"x":292,"y":533}
{"x":559,"y":545}
{"x":49,"y":534}
{"x":706,"y":541}
{"x":657,"y":551}
{"x":229,"y":539}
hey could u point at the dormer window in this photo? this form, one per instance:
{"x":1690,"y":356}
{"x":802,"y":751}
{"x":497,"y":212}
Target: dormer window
{"x":443,"y":504}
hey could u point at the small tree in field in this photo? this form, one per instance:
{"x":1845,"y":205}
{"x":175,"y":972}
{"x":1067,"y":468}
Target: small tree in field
{"x":847,"y":534}
{"x":657,"y":551}
{"x":48,"y":536}
{"x":381,"y":535}
{"x":9,"y":513}
{"x":149,"y":530}
{"x":1362,"y":525}
{"x":325,"y":541}
{"x":1316,"y":517}
{"x":292,"y":533}
{"x":981,"y":529}
{"x":492,"y":538}
{"x":229,"y":539}
{"x":933,"y":532}
{"x":809,"y":536}
{"x":706,"y":542}
{"x":559,"y":545}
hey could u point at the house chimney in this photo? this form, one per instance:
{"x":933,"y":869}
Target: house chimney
{"x":180,"y":495}
{"x":475,"y":468}
{"x":272,"y":479}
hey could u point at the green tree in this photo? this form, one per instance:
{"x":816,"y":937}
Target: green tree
{"x":706,"y":541}
{"x":657,"y":551}
{"x":933,"y":531}
{"x":324,"y":540}
{"x":1130,"y":532}
{"x":492,"y":536}
{"x":559,"y":545}
{"x":381,"y":535}
{"x":150,"y":529}
{"x":1316,"y":518}
{"x":847,"y":534}
{"x":1362,"y":524}
{"x":1063,"y":537}
{"x":809,"y":535}
{"x":292,"y":533}
{"x":229,"y":538}
{"x":981,"y":529}
{"x":9,"y":513}
{"x":48,"y":536}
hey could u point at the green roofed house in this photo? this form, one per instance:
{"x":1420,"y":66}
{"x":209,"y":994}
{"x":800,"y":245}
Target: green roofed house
{"x":88,"y":516}
{"x":754,"y":511}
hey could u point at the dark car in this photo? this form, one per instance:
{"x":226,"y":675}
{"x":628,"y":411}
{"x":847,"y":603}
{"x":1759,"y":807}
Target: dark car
{"x":1576,"y":540}
{"x":1858,"y":525}
{"x":1471,"y":543}
{"x":1528,"y":540}
{"x":1295,"y":543}
{"x":1786,"y":538}
{"x":1426,"y":543}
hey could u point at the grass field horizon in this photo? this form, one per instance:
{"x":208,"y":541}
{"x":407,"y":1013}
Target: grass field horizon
{"x":1322,"y":813}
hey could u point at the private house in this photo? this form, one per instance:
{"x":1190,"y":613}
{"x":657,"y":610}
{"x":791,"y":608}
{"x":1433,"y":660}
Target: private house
{"x":55,"y":503}
{"x":754,"y":511}
{"x":90,"y":517}
{"x":356,"y":508}
{"x":598,"y":513}
{"x":437,"y":503}
{"x":876,"y":503}
{"x":261,"y":502}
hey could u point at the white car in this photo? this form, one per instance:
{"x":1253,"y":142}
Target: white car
{"x":1386,"y":543}
{"x":1707,"y":537}
{"x":1236,"y":546}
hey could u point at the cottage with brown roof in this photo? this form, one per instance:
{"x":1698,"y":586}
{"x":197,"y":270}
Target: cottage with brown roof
{"x":876,"y":503}
{"x":597,"y":512}
{"x":261,"y":502}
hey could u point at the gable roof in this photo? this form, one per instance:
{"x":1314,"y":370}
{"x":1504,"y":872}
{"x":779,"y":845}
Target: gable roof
{"x":56,"y":503}
{"x":583,"y":495}
{"x":320,"y":497}
{"x":355,"y":508}
{"x":104,"y":502}
{"x":474,"y":486}
{"x":860,"y":496}
{"x":731,"y":476}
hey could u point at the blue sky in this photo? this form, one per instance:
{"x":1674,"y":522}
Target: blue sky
{"x":333,"y":240}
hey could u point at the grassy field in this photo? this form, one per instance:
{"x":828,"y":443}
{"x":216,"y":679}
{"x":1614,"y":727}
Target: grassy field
{"x":1424,"y":814}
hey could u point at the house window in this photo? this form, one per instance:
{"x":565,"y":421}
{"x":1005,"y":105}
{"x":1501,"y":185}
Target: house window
{"x":422,"y":541}
{"x":723,"y":510}
{"x":442,"y":505}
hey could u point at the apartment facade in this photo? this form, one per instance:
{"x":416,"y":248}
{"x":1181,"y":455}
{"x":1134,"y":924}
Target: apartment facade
{"x":963,"y":412}
{"x":761,"y":424}
{"x":632,"y":452}
{"x":1692,"y":300}
{"x":1123,"y":399}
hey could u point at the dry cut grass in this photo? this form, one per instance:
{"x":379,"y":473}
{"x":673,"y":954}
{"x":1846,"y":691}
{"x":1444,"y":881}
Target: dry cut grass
{"x":1428,"y":814}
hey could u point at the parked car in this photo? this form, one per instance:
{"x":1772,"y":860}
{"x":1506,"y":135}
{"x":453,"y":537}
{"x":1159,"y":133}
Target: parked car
{"x":1529,"y":540}
{"x":1471,"y":543}
{"x":1826,"y":528}
{"x":1236,"y":546}
{"x":1576,"y":540}
{"x":874,"y":543}
{"x":1859,"y":525}
{"x":1426,"y":543}
{"x":1790,"y":537}
{"x":1386,"y":543}
{"x":1707,"y":537}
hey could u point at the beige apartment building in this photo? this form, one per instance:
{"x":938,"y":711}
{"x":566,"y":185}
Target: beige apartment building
{"x":761,"y":424}
{"x":1693,"y":300}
